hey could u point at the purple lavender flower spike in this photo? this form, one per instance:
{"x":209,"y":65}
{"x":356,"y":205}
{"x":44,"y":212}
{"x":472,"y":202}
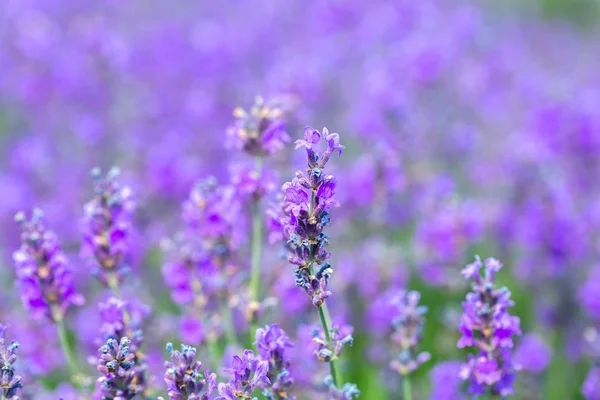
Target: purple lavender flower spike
{"x":259,"y":131}
{"x":272,"y":342}
{"x":307,"y":203}
{"x":408,"y":332}
{"x":348,"y":392}
{"x":487,"y":326}
{"x":183,"y":377}
{"x":117,"y":364}
{"x":341,"y":337}
{"x":47,"y":283}
{"x":249,"y":372}
{"x":107,"y":227}
{"x":446,"y":382}
{"x":9,"y":382}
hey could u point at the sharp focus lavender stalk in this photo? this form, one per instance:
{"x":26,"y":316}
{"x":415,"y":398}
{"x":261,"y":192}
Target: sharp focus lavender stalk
{"x":117,"y":364}
{"x":408,"y":333}
{"x":184,"y":378}
{"x":9,"y":382}
{"x":487,"y":326}
{"x":272,"y":342}
{"x":107,"y":229}
{"x":308,"y":200}
{"x":46,"y":282}
{"x":259,"y":132}
{"x":249,"y":372}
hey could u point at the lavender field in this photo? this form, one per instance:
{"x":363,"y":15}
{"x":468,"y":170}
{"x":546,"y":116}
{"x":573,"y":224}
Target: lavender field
{"x":362,"y":199}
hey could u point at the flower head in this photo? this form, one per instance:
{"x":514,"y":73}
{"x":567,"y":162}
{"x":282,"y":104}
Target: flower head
{"x":248,"y":373}
{"x":9,"y":382}
{"x":47,"y":283}
{"x":107,"y":227}
{"x":308,"y":199}
{"x":347,"y":392}
{"x":184,"y":378}
{"x":259,"y":131}
{"x":486,"y":325}
{"x":272,"y":342}
{"x":121,"y":377}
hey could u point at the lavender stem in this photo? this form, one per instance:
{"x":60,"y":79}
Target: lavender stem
{"x":406,"y":388}
{"x":64,"y":343}
{"x":325,"y":322}
{"x":256,"y":241}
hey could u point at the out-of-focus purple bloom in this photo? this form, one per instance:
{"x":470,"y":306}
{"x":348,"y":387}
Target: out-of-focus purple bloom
{"x":107,"y":228}
{"x":588,"y":294}
{"x":259,"y":131}
{"x":591,"y":385}
{"x":248,"y":372}
{"x":272,"y":342}
{"x":446,"y":381}
{"x":183,"y":377}
{"x":45,"y":279}
{"x":408,"y":332}
{"x":533,"y":354}
{"x":348,"y":392}
{"x":487,"y":326}
{"x":9,"y":382}
{"x":250,"y":182}
{"x":308,"y":200}
{"x":117,"y":364}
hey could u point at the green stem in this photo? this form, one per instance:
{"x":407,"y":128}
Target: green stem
{"x":230,"y":337}
{"x":325,"y":322}
{"x":406,"y":388}
{"x":256,"y":241}
{"x":64,"y":343}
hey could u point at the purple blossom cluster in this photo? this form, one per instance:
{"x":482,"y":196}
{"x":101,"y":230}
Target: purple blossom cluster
{"x":184,"y":378}
{"x":10,"y":383}
{"x":487,"y":326}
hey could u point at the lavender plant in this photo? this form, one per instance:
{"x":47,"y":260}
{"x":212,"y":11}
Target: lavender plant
{"x":272,"y":342}
{"x":184,"y":378}
{"x":487,"y":326}
{"x":10,"y":383}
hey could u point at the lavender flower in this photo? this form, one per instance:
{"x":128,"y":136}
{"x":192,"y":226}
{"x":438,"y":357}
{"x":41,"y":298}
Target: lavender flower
{"x":408,"y":332}
{"x":117,"y":364}
{"x":487,"y":326}
{"x":445,"y":381}
{"x":183,"y":376}
{"x":591,"y":386}
{"x":123,"y":319}
{"x":308,"y":200}
{"x":271,"y":342}
{"x":249,"y":372}
{"x":341,"y":337}
{"x":259,"y":131}
{"x":46,"y":282}
{"x":348,"y":392}
{"x":9,"y":382}
{"x":107,"y":228}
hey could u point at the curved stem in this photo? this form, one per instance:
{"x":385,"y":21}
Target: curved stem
{"x":406,"y":388}
{"x":325,"y":322}
{"x":66,"y":347}
{"x":256,"y":241}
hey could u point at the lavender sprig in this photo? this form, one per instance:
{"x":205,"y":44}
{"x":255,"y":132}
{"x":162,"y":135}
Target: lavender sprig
{"x":272,"y":342}
{"x":107,"y":228}
{"x":9,"y":382}
{"x":308,"y":200}
{"x":487,"y":326}
{"x":120,"y":376}
{"x":248,"y":372}
{"x":184,"y":378}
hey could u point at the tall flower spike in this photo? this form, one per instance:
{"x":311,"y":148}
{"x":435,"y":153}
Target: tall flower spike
{"x":307,"y":202}
{"x":116,"y":363}
{"x":183,"y":377}
{"x":46,"y":282}
{"x":259,"y":131}
{"x":9,"y":382}
{"x":248,"y":372}
{"x":107,"y":228}
{"x":272,"y":342}
{"x":487,"y":326}
{"x":408,"y":332}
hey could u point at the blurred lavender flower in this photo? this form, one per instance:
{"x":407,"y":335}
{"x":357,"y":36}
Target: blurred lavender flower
{"x":9,"y":382}
{"x":348,"y":392}
{"x":250,"y":182}
{"x":259,"y":131}
{"x":533,"y":354}
{"x":487,"y":326}
{"x":183,"y":376}
{"x":591,"y":386}
{"x":249,"y":372}
{"x":408,"y":332}
{"x":117,"y":364}
{"x":107,"y":227}
{"x":446,"y":381}
{"x":124,"y":319}
{"x":271,"y":342}
{"x":46,"y":282}
{"x":308,"y":200}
